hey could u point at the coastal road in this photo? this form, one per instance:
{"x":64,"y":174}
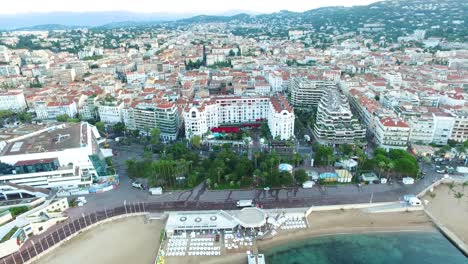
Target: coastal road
{"x":285,"y":197}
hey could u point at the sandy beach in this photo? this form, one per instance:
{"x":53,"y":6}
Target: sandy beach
{"x":327,"y":223}
{"x":351,"y":222}
{"x":130,"y":240}
{"x":452,"y":212}
{"x":123,"y":241}
{"x":223,"y":259}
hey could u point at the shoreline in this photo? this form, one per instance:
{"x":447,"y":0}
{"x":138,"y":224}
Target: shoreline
{"x":352,"y":221}
{"x":265,"y":245}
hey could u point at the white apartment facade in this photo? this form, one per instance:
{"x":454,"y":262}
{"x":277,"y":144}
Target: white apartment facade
{"x":281,"y":118}
{"x":334,"y":121}
{"x":146,"y":115}
{"x":306,"y":94}
{"x":110,"y":112}
{"x":12,"y":100}
{"x":200,"y":117}
{"x":392,"y":133}
{"x":443,"y":126}
{"x":9,"y":70}
{"x":50,"y":110}
{"x":422,"y":129}
{"x":460,"y":126}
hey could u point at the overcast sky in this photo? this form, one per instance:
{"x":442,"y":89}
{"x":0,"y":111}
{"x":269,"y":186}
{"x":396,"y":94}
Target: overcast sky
{"x":170,"y":6}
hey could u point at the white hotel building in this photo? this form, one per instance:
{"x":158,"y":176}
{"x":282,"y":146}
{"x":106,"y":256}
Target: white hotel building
{"x":59,"y":156}
{"x":12,"y":100}
{"x":200,"y":117}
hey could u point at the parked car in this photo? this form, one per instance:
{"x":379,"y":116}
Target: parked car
{"x":138,"y":185}
{"x":81,"y":199}
{"x":412,"y":200}
{"x":408,"y":180}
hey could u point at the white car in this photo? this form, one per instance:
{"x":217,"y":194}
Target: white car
{"x":137,"y":185}
{"x":82,"y":199}
{"x":408,"y":180}
{"x":266,"y":188}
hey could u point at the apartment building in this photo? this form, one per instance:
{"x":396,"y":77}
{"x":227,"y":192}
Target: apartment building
{"x":12,"y":100}
{"x":306,"y":93}
{"x":422,"y":129}
{"x":334,"y":123}
{"x":9,"y":70}
{"x":62,"y":75}
{"x":4,"y":56}
{"x":136,"y":78}
{"x":148,"y":114}
{"x":200,"y":117}
{"x":88,"y":109}
{"x":50,"y":110}
{"x":281,"y":118}
{"x":110,"y":110}
{"x":460,"y":126}
{"x":392,"y":133}
{"x":443,"y":126}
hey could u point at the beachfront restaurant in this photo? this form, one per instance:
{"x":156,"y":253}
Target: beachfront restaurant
{"x":199,"y":233}
{"x":220,"y":220}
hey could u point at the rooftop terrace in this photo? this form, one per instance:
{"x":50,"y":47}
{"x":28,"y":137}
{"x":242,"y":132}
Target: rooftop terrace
{"x":52,"y":139}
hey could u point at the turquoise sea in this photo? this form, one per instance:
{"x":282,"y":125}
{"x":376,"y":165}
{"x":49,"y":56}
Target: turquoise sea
{"x":376,"y":248}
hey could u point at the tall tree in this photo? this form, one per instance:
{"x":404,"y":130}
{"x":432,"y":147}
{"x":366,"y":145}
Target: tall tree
{"x":155,"y":134}
{"x":195,"y":141}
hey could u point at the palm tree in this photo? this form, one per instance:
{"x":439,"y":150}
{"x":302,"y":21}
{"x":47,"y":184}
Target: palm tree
{"x":451,"y":186}
{"x":459,"y":195}
{"x":464,"y":184}
{"x":390,"y":167}
{"x":381,"y":167}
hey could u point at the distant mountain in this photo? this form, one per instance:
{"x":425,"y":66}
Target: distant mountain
{"x":87,"y":19}
{"x":390,"y":19}
{"x":47,"y":27}
{"x":90,"y":19}
{"x":211,"y":19}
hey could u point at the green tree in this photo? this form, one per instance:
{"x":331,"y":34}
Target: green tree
{"x":323,"y":155}
{"x":381,"y":165}
{"x":132,"y":168}
{"x":285,"y":178}
{"x":6,"y":114}
{"x":265,"y":130}
{"x":195,"y":141}
{"x":300,"y":176}
{"x":118,"y":128}
{"x":346,"y":149}
{"x":100,"y":126}
{"x":296,"y":159}
{"x":155,"y":134}
{"x":62,"y":118}
{"x":405,"y":166}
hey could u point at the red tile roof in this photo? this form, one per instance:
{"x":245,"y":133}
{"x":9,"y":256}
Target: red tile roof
{"x":393,"y":122}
